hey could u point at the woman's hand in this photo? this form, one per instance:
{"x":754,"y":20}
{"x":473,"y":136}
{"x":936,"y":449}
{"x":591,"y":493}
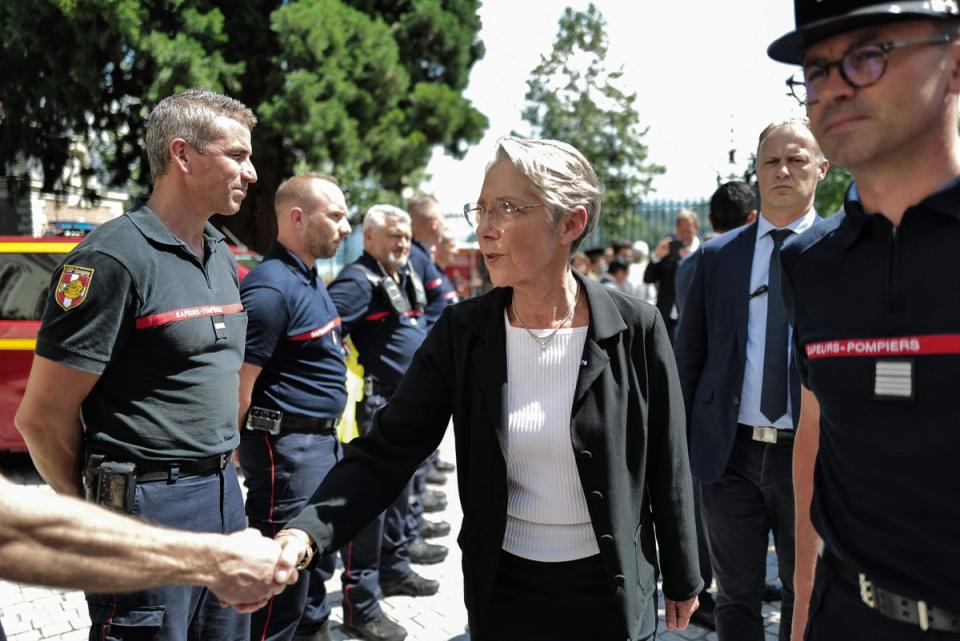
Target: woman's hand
{"x":678,"y":613}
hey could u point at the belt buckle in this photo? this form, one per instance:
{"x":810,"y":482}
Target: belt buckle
{"x":765,"y":434}
{"x":867,"y":596}
{"x":923,"y":615}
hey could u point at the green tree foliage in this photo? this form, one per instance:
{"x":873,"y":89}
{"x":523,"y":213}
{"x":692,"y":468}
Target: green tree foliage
{"x":573,"y":97}
{"x":831,"y":190}
{"x":363,"y":89}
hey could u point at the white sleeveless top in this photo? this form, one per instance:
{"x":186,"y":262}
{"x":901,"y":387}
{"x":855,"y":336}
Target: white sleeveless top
{"x":547,"y":517}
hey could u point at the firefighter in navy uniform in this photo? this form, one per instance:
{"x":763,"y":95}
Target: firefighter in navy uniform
{"x":427,"y":227}
{"x":381,"y":301}
{"x":144,"y":333}
{"x":292,"y":388}
{"x":872,"y":296}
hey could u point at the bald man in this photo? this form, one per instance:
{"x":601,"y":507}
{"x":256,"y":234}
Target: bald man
{"x":292,"y":385}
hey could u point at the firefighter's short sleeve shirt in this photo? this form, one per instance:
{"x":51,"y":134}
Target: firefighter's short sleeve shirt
{"x":294,"y":335}
{"x":163,"y":329}
{"x":875,"y":311}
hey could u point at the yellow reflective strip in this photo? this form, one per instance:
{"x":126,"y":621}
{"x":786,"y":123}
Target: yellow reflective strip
{"x":37,"y":248}
{"x":18,"y":343}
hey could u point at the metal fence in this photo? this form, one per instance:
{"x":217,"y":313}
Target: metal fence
{"x":652,"y":220}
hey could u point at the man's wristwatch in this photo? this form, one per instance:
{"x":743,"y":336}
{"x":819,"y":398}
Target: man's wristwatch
{"x":311,"y":548}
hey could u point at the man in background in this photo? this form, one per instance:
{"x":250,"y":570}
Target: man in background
{"x":741,"y":389}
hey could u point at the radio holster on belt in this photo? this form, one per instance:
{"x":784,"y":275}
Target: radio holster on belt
{"x":109,"y":483}
{"x":262,"y":419}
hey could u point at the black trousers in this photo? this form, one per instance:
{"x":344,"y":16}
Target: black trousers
{"x":753,"y":497}
{"x":837,"y":613}
{"x":565,"y":601}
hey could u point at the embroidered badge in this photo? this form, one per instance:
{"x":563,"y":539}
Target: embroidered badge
{"x":73,"y":286}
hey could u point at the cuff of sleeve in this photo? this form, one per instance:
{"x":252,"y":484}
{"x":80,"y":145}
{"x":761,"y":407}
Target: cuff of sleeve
{"x":675,"y":594}
{"x":77,"y":360}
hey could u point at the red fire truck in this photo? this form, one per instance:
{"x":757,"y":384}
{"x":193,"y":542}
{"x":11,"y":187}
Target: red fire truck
{"x":26,"y":266}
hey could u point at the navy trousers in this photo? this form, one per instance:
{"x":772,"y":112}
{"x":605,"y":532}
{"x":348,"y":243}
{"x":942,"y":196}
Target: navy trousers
{"x":281,"y":473}
{"x":379,"y":552}
{"x":753,"y":497}
{"x":208,"y":503}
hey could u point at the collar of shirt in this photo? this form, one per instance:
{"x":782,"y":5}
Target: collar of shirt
{"x":945,"y":200}
{"x":800,"y":225}
{"x":153,"y":229}
{"x":297,"y":266}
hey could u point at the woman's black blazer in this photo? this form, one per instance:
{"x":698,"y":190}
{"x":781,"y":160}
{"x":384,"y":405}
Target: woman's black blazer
{"x":628,"y":434}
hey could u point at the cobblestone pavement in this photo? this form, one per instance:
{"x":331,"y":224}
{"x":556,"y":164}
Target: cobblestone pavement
{"x":32,"y":613}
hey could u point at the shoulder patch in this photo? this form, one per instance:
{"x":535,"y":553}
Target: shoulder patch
{"x":73,"y":286}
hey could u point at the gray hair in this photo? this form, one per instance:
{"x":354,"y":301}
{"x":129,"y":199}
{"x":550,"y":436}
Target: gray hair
{"x":791,"y":123}
{"x":189,"y":115}
{"x":559,"y":175}
{"x":377,"y":216}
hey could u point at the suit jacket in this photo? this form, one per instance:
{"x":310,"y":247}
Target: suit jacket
{"x":627,"y":432}
{"x":664,"y":274}
{"x":711,"y":348}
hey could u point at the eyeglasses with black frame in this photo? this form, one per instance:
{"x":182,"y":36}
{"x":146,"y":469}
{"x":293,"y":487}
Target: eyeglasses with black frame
{"x":859,"y":68}
{"x":501,"y":209}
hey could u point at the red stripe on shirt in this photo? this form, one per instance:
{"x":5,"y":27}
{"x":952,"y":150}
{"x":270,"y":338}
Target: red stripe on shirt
{"x":318,"y":332}
{"x":377,"y":316}
{"x":433,"y":284}
{"x":929,"y":345}
{"x":187,"y":313}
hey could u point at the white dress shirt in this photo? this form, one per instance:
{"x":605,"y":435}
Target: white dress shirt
{"x":750,"y":413}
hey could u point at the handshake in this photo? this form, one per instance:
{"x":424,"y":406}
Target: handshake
{"x":246,"y":569}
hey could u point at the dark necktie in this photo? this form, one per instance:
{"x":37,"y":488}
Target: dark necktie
{"x":773,"y":393}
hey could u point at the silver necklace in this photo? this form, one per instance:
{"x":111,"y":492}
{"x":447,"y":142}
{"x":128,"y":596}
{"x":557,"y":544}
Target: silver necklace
{"x":549,"y":337}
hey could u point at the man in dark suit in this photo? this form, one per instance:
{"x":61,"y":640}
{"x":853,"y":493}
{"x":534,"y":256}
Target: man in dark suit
{"x":741,"y":393}
{"x":732,"y":205}
{"x":662,"y":269}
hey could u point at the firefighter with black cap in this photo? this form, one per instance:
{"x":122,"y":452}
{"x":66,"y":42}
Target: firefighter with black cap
{"x":872,"y":297}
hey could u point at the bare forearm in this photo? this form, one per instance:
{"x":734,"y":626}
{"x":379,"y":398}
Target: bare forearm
{"x":805,"y":450}
{"x":60,"y":541}
{"x":56,"y":453}
{"x":49,"y":419}
{"x":807,"y":540}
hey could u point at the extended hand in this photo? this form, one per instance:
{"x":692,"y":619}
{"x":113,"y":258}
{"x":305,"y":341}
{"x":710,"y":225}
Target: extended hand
{"x":246,"y":569}
{"x":678,"y":613}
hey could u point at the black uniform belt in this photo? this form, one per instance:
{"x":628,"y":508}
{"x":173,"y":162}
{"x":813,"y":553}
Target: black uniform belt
{"x":764,"y":434}
{"x":162,"y":471}
{"x":892,"y":605}
{"x":295,"y":423}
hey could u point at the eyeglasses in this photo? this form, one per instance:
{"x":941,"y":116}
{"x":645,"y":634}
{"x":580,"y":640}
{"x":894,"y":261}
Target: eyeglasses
{"x":502,"y":210}
{"x":859,"y":68}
